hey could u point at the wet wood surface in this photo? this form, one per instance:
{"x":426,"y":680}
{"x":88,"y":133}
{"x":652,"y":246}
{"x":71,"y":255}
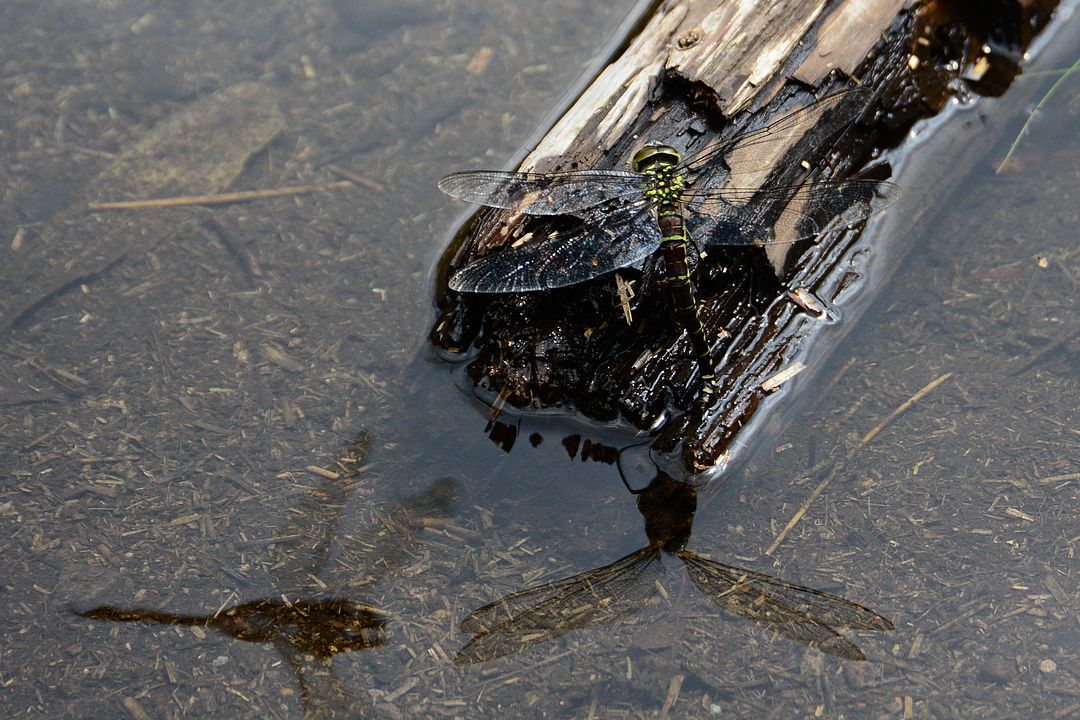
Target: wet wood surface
{"x":695,"y":71}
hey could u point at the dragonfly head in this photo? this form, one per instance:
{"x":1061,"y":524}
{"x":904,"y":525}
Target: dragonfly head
{"x":651,"y":155}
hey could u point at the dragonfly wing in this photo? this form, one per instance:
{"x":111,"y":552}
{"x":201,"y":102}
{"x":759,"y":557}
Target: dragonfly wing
{"x":600,"y":243}
{"x":540,"y":194}
{"x":725,"y":224}
{"x":755,"y":150}
{"x":784,"y":215}
{"x":802,"y":614}
{"x":603,"y":596}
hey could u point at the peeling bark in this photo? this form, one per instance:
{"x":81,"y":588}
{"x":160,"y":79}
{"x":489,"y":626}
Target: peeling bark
{"x":698,"y":72}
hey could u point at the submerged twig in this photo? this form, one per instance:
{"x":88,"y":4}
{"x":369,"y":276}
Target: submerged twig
{"x":903,"y":407}
{"x":674,"y":688}
{"x":358,"y":179}
{"x":220,"y":198}
{"x":801,"y":511}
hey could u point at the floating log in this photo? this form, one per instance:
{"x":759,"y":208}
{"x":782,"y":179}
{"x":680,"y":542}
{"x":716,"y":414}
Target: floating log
{"x":698,"y":71}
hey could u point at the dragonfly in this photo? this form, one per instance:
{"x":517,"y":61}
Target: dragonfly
{"x":621,"y":218}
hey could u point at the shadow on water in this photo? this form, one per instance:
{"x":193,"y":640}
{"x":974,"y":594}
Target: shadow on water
{"x":313,"y":619}
{"x":309,"y":624}
{"x":306,"y":633}
{"x":320,"y":612}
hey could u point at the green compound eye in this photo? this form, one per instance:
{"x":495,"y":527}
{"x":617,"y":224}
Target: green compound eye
{"x":652,"y":155}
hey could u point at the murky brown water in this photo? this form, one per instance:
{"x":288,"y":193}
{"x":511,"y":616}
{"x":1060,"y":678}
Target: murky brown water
{"x":232,"y":414}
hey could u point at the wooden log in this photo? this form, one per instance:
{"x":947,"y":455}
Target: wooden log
{"x":701,"y":70}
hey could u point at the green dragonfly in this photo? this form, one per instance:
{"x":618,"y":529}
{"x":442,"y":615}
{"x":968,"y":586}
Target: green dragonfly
{"x":620,"y":217}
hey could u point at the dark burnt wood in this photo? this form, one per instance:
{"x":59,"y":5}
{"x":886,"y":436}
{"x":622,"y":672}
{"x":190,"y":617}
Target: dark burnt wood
{"x":697,"y":72}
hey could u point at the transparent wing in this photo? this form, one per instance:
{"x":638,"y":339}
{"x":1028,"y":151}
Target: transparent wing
{"x":799,"y":613}
{"x":538,"y":194}
{"x":598,"y":597}
{"x":755,"y":150}
{"x":784,"y":215}
{"x":603,"y":240}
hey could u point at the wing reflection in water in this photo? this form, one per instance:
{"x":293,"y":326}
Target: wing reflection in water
{"x":313,"y":619}
{"x":598,"y":597}
{"x":608,"y":595}
{"x":799,"y":613}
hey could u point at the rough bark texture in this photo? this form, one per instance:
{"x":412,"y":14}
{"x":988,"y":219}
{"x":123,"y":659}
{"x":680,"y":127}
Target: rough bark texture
{"x":696,"y":72}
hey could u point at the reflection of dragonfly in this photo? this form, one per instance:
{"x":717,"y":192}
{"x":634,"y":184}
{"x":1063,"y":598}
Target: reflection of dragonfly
{"x":624,"y":217}
{"x":609,"y":594}
{"x":313,"y":620}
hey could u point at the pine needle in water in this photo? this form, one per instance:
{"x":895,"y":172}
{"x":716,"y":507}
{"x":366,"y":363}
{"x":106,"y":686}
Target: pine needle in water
{"x":1027,"y":123}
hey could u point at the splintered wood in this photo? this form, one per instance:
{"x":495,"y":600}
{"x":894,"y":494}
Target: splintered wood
{"x":774,"y":382}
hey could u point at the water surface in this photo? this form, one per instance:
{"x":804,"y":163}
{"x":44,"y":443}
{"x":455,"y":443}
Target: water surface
{"x":241,"y":414}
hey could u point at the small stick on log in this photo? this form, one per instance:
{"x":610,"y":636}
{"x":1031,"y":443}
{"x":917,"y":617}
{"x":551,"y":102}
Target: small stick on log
{"x":625,"y":288}
{"x":775,"y":381}
{"x":220,"y":198}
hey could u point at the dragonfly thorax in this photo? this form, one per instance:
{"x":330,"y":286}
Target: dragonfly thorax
{"x":659,"y":165}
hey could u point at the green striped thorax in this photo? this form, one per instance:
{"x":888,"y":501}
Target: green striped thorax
{"x":659,"y":164}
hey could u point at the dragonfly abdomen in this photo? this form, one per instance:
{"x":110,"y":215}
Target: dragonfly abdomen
{"x":677,"y":274}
